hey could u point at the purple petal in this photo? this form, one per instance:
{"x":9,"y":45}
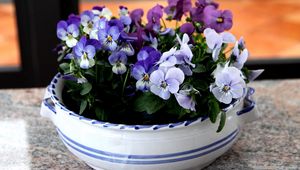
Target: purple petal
{"x":173,"y":85}
{"x":74,"y":30}
{"x":102,"y":35}
{"x":137,"y":72}
{"x":78,"y":49}
{"x":90,"y":50}
{"x":187,"y":28}
{"x":61,"y":34}
{"x":175,"y":73}
{"x":126,"y":20}
{"x":114,"y":32}
{"x":113,"y":58}
{"x":122,"y":57}
{"x":62,"y":25}
{"x":185,"y":101}
{"x":136,"y":16}
{"x":142,"y":55}
{"x":157,"y":77}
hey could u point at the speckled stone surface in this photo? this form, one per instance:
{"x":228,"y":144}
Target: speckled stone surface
{"x":29,"y":141}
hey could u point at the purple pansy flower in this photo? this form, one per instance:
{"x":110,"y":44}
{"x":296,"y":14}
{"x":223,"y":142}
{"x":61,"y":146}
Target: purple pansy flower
{"x":239,"y":56}
{"x":228,"y":85}
{"x":85,"y":53}
{"x":144,"y":67}
{"x":217,"y":19}
{"x":108,"y":37}
{"x":118,"y":60}
{"x":153,"y":16}
{"x":102,"y":12}
{"x":215,"y":41}
{"x":67,"y":33}
{"x":197,"y":12}
{"x":89,"y":21}
{"x":136,"y":16}
{"x":165,"y":82}
{"x":176,"y":8}
{"x":185,"y":99}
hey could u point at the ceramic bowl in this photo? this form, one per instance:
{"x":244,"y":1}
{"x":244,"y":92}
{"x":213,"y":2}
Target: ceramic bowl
{"x":191,"y":144}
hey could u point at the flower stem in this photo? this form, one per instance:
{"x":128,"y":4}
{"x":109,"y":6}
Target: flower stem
{"x":125,"y":81}
{"x":163,"y":21}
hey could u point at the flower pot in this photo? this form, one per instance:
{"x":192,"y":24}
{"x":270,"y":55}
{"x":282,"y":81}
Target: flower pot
{"x":191,"y":144}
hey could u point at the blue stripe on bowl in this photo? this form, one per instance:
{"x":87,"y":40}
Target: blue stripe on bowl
{"x":144,"y":162}
{"x":117,"y":155}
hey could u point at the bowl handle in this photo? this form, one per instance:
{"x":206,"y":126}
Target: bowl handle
{"x":47,"y":106}
{"x":249,"y":112}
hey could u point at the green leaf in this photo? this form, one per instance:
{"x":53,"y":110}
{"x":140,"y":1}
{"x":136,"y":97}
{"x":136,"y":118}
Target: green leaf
{"x":149,"y":103}
{"x":100,"y":114}
{"x":200,"y":68}
{"x":65,"y":67}
{"x":83,"y":105}
{"x":222,"y":122}
{"x":214,"y":109}
{"x":86,"y":88}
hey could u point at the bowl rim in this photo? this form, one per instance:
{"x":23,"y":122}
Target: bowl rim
{"x":153,"y":127}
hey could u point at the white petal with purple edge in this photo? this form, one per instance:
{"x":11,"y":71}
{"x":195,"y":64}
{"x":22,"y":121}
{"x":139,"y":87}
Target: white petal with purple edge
{"x":121,"y":69}
{"x":84,"y":63}
{"x":227,"y":37}
{"x":157,"y":77}
{"x":175,"y":73}
{"x":222,"y":96}
{"x":169,"y":62}
{"x":173,"y":85}
{"x":164,"y":94}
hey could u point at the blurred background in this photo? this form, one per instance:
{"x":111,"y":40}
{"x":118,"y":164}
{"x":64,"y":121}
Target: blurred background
{"x":271,"y":29}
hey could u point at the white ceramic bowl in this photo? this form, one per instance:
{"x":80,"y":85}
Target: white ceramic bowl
{"x":183,"y":145}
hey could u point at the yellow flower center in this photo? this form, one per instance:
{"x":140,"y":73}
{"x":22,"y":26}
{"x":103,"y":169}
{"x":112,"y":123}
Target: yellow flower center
{"x":226,"y":88}
{"x":146,"y":77}
{"x":109,"y":38}
{"x":220,"y":20}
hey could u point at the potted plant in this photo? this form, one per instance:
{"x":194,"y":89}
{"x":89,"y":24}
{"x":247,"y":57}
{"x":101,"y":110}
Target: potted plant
{"x":140,"y":95}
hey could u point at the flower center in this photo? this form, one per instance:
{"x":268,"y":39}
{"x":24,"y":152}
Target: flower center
{"x":163,"y":84}
{"x":146,"y":77}
{"x":109,"y":38}
{"x":118,"y":64}
{"x":69,"y":36}
{"x":220,"y":20}
{"x":85,"y":55}
{"x":90,"y":24}
{"x":226,"y":88}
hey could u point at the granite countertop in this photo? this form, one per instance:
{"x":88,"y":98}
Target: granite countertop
{"x":29,"y":141}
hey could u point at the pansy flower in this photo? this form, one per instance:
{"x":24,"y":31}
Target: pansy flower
{"x":217,"y":19}
{"x":108,"y":37}
{"x":89,"y":21}
{"x":239,"y":56}
{"x":228,"y":84}
{"x":145,"y":65}
{"x":165,"y":82}
{"x":215,"y":41}
{"x":185,"y":98}
{"x":85,"y":53}
{"x":67,"y":33}
{"x":118,"y":60}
